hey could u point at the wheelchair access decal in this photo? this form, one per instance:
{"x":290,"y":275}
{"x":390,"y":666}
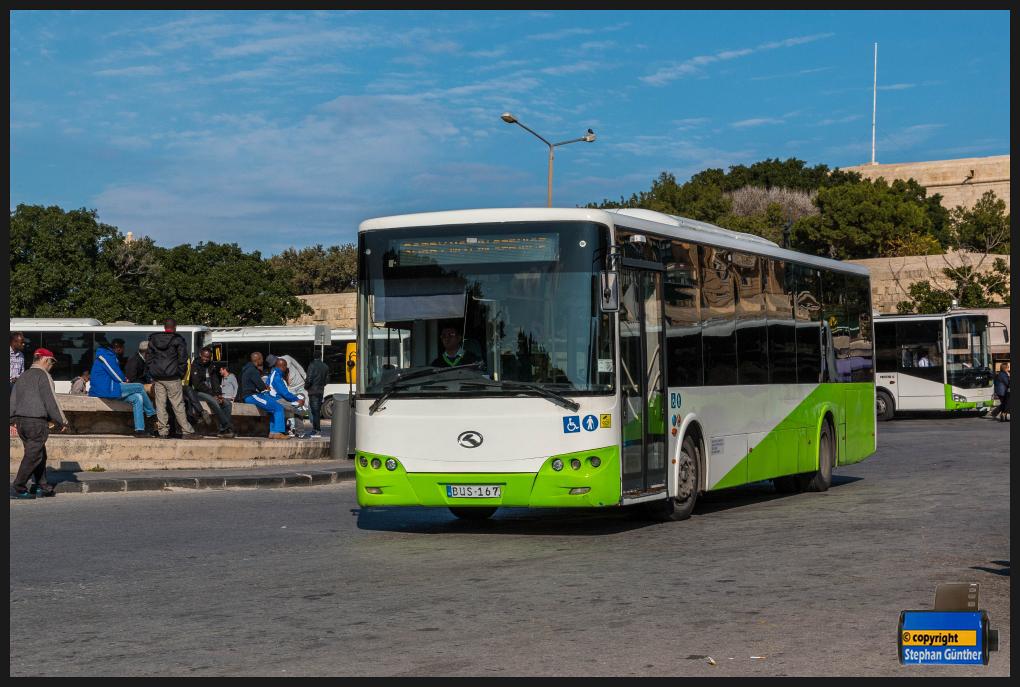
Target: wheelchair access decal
{"x":573,"y":424}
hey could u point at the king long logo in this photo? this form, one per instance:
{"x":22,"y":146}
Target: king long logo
{"x":470,"y":439}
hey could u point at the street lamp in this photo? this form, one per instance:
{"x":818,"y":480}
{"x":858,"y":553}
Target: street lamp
{"x":587,"y":138}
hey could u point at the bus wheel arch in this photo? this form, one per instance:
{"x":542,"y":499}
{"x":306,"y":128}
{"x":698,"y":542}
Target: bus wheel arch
{"x":691,"y":428}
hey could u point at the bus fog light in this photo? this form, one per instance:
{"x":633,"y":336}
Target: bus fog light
{"x":376,"y":463}
{"x":575,"y":463}
{"x":373,"y":490}
{"x":595,"y":461}
{"x":557,"y":465}
{"x":391,"y":464}
{"x":364,"y":462}
{"x":580,"y":490}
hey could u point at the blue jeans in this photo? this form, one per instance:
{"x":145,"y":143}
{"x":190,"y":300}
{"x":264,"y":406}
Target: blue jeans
{"x":267,"y":403}
{"x":139,"y":400}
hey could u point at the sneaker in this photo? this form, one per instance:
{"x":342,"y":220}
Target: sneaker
{"x":313,"y":435}
{"x":227,"y":434}
{"x":47,"y":492}
{"x":192,"y":435}
{"x":24,"y":495}
{"x":141,"y":434}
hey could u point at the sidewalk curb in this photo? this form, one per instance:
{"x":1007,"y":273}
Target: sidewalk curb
{"x":305,"y":478}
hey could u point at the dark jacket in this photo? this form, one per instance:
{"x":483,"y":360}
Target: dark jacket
{"x":251,"y":381}
{"x":33,"y":396}
{"x":106,"y":375}
{"x":134,"y":370}
{"x":317,"y":377}
{"x":205,"y":378}
{"x":1002,"y":383}
{"x":167,"y":357}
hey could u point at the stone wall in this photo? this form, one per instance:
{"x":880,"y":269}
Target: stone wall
{"x":891,"y":277}
{"x":960,"y":182}
{"x":338,"y":310}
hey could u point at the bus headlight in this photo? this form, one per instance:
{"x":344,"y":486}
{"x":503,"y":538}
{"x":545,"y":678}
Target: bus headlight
{"x":376,"y":463}
{"x":391,"y":464}
{"x":575,"y":463}
{"x":557,"y":464}
{"x":364,"y":462}
{"x":959,"y":399}
{"x":595,"y":461}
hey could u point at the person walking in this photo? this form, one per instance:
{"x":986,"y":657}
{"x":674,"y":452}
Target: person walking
{"x":33,"y":407}
{"x":315,"y":386}
{"x":107,"y":380}
{"x":17,"y":357}
{"x":255,"y":391}
{"x":205,"y":380}
{"x":1002,"y":391}
{"x":166,"y":361}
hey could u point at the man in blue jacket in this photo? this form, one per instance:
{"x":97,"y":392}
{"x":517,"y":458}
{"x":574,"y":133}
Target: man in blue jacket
{"x":255,"y":391}
{"x":108,"y":381}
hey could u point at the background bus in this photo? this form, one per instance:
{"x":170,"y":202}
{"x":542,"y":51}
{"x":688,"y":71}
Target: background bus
{"x":626,"y":357}
{"x":74,"y":340}
{"x":933,"y":362}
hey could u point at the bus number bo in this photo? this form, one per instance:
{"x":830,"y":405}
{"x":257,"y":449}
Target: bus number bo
{"x":674,"y":400}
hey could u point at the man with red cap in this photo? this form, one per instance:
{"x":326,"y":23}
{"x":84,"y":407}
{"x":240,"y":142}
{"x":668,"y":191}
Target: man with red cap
{"x":33,"y":407}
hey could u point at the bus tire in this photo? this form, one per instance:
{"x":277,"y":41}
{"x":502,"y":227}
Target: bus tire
{"x":822,"y":479}
{"x":327,"y":408}
{"x":473,"y":513}
{"x":680,"y":507}
{"x":885,"y":409}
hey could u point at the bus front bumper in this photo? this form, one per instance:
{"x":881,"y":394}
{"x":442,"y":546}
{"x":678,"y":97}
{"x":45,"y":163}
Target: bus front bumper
{"x":593,"y":483}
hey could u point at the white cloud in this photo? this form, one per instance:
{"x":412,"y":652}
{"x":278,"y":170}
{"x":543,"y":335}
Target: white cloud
{"x":755,"y":121}
{"x":139,"y":70}
{"x":576,"y":68}
{"x":695,"y":64}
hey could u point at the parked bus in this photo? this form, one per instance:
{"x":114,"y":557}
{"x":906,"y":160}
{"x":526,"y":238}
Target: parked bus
{"x":73,"y":341}
{"x":932,"y":362}
{"x":623,"y":357}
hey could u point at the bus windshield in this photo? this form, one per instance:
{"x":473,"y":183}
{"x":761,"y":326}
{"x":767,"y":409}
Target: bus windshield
{"x":967,"y":352}
{"x":521,"y":298}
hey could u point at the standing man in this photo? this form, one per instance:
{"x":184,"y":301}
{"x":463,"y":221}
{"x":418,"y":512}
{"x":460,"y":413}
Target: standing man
{"x":205,"y":380}
{"x":315,"y":386}
{"x":33,"y":407}
{"x":1002,"y":391}
{"x":228,"y":384}
{"x":17,"y":357}
{"x":166,"y":361}
{"x":255,"y":391}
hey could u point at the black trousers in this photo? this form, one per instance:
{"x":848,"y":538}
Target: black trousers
{"x":33,"y":432}
{"x":315,"y":408}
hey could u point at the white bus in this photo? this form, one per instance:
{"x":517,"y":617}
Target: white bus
{"x":73,"y":341}
{"x":622,"y":357}
{"x":932,"y":362}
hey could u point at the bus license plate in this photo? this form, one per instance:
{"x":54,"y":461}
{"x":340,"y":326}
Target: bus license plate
{"x":473,"y":491}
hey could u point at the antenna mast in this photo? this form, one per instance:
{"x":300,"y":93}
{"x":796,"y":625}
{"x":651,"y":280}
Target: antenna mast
{"x":874,"y":106}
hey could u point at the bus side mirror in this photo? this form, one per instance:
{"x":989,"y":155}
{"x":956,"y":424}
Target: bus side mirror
{"x":609,"y":286}
{"x":1005,"y":330}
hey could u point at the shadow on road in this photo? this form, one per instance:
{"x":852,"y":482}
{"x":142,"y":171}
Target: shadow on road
{"x":752,"y":494}
{"x":1003,"y":571}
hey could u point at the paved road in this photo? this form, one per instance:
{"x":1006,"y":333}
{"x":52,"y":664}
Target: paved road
{"x":299,"y":582}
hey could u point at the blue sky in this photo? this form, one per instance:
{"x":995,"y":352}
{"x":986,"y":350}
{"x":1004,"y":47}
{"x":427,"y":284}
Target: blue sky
{"x":277,"y":129}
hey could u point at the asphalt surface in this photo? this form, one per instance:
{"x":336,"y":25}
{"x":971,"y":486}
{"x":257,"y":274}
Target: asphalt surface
{"x":301,"y":582}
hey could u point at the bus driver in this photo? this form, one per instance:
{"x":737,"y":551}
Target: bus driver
{"x":453,"y":354}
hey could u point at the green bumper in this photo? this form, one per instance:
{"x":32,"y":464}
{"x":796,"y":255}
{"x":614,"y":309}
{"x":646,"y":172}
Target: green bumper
{"x":965,"y":405}
{"x":547,"y":488}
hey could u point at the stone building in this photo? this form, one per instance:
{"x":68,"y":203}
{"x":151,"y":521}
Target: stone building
{"x":960,"y":182}
{"x":338,"y":310}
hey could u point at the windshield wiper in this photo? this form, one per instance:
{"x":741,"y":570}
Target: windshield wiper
{"x":405,"y":380}
{"x":554,"y":397}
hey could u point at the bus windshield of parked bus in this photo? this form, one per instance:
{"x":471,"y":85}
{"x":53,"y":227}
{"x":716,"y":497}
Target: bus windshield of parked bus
{"x":967,"y":351}
{"x":517,"y":302}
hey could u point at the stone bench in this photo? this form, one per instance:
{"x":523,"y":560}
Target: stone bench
{"x":90,"y":415}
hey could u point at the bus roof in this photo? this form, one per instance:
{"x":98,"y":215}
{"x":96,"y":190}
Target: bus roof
{"x":671,"y":226}
{"x":273,"y":333}
{"x":70,"y":323}
{"x":930,"y":316}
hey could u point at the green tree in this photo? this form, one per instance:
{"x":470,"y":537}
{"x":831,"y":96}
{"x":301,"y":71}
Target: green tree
{"x":320,"y":270}
{"x":983,"y":228}
{"x":967,"y":286}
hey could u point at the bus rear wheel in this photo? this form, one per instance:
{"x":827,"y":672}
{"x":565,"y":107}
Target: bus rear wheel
{"x":680,"y":507}
{"x":884,"y":408}
{"x":327,"y":408}
{"x":822,"y":479}
{"x":473,"y":513}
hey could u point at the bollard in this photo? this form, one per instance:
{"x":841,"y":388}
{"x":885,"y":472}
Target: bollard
{"x":341,"y":435}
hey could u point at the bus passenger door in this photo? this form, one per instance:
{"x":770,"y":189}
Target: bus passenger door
{"x":642,"y":383}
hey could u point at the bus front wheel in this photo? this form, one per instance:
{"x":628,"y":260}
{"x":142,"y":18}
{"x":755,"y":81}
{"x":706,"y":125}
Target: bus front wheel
{"x":688,"y":479}
{"x":884,"y":407}
{"x":327,"y":408}
{"x":473,"y":513}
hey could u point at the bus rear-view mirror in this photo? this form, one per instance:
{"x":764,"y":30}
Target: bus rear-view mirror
{"x":610,"y":291}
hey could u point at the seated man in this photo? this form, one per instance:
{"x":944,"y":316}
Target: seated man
{"x":255,"y":391}
{"x":453,"y":354}
{"x":205,"y":380}
{"x":79,"y":385}
{"x":277,"y":382}
{"x":108,"y":381}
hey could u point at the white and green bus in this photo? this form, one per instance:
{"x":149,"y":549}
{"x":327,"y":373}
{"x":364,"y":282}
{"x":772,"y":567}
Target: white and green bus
{"x":620,"y":357}
{"x":933,"y":362}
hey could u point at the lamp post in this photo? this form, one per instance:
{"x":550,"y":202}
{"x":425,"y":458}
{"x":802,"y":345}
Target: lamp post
{"x":587,"y":138}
